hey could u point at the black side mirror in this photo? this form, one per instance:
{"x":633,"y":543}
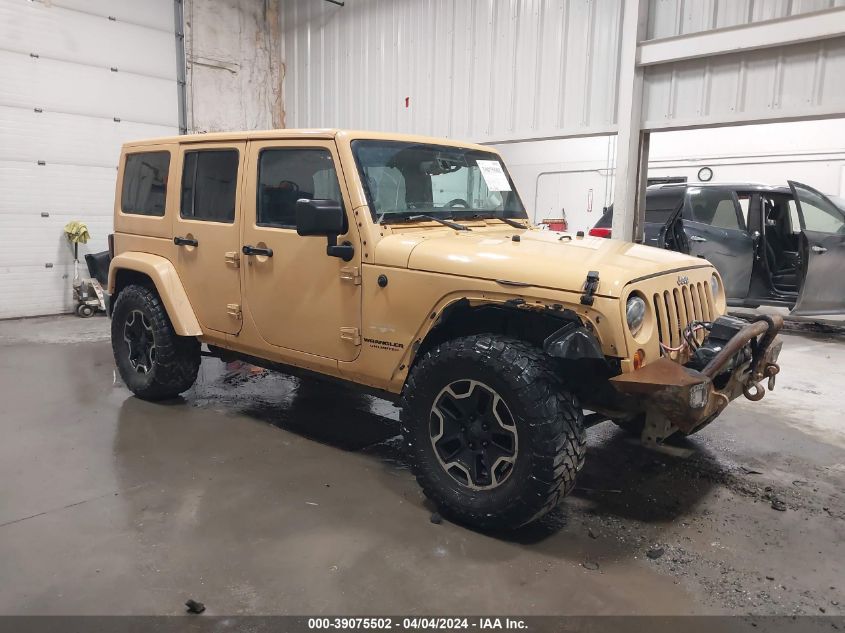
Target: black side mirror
{"x":319,"y":217}
{"x":326,"y":218}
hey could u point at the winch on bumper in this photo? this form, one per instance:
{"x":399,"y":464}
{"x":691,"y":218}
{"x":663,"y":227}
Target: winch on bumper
{"x":685,"y":397}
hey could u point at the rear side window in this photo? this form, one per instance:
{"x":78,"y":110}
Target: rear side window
{"x":145,"y":183}
{"x":287,"y":174}
{"x":715,"y":207}
{"x":660,"y":207}
{"x":209,"y":184}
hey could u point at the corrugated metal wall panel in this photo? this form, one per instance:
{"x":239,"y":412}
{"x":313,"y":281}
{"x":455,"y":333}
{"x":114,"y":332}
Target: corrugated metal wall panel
{"x":75,"y":133}
{"x":478,"y":69}
{"x":797,"y":81}
{"x":668,"y":18}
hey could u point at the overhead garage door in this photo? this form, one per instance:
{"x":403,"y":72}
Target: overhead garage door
{"x":77,"y":79}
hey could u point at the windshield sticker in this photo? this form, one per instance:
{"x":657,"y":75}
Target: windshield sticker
{"x":494,"y":175}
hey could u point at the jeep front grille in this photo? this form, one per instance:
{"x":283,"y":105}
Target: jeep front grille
{"x":676,"y":308}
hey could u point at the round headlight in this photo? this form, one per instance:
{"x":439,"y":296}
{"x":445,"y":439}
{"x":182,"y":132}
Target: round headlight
{"x":635,"y":314}
{"x":715,"y":285}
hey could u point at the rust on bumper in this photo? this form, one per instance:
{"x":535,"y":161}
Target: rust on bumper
{"x":688,"y":398}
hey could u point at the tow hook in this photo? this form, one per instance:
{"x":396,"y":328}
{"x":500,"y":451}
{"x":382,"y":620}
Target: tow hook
{"x":757,"y":394}
{"x":753,"y":390}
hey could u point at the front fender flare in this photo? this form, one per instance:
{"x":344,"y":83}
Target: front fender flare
{"x":168,"y":285}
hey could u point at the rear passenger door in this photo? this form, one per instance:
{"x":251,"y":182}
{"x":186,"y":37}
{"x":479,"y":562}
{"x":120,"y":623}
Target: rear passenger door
{"x":207,"y":232}
{"x":716,"y":231}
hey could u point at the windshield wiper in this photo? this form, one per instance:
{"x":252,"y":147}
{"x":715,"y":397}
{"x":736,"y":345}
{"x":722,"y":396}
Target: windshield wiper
{"x":472,"y":214}
{"x":413,"y":217}
{"x":510,"y":221}
{"x":443,"y":221}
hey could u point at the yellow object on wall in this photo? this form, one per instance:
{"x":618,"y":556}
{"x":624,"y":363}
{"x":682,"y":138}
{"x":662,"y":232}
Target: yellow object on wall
{"x":77,"y":232}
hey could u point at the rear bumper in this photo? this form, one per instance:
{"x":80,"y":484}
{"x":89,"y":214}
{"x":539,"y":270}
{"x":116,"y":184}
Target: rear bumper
{"x":686,"y":398}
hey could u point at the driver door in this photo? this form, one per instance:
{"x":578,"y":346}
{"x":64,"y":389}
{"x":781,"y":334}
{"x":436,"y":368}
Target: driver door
{"x":714,"y":229}
{"x":823,"y":252}
{"x":300,"y":298}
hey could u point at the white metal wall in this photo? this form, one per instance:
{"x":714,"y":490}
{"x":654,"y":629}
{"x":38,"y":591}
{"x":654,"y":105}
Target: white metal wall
{"x":77,"y":79}
{"x":560,"y":174}
{"x":487,"y":70}
{"x":668,"y":18}
{"x":793,"y":82}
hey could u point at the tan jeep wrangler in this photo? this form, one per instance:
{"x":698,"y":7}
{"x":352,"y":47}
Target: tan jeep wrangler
{"x":408,"y":266}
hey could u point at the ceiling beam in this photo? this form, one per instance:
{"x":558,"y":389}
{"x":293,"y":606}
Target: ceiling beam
{"x":807,"y":27}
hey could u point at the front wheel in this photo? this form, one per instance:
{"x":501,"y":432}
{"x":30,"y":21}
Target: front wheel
{"x":493,"y":438}
{"x":153,"y":361}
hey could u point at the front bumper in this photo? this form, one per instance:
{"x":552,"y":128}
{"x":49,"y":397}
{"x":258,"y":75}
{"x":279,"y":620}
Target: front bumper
{"x":675,"y":397}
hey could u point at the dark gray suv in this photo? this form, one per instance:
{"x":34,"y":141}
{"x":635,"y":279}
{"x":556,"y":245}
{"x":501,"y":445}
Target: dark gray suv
{"x":772,"y":245}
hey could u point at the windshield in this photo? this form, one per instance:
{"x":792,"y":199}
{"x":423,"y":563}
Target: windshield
{"x":403,"y":180}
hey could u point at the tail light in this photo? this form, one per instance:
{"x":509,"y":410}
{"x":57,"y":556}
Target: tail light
{"x":598,"y":231}
{"x":111,"y":245}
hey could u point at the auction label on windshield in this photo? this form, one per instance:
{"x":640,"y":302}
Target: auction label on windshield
{"x":494,"y":175}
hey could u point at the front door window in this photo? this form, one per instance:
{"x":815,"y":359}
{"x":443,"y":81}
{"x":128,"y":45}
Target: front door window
{"x":817,"y":214}
{"x":287,"y":175}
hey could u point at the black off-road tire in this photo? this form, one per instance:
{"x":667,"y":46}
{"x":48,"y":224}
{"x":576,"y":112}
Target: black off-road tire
{"x":549,"y":425}
{"x":175,"y":360}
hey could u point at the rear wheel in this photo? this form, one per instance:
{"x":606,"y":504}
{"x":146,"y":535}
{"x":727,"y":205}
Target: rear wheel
{"x":153,"y":361}
{"x":493,"y":438}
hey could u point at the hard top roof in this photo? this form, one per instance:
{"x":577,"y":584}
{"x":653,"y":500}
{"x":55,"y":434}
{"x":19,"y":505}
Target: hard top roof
{"x":305,"y":134}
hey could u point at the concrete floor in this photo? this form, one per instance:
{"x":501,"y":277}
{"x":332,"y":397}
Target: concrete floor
{"x":260,"y":494}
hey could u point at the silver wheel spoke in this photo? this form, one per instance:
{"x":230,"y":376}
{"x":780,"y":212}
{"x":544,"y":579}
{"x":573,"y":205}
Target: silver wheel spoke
{"x":473,"y":434}
{"x":140,"y":342}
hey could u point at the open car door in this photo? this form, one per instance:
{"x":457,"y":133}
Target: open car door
{"x":671,"y":235}
{"x":709,"y":225}
{"x":823,"y":252}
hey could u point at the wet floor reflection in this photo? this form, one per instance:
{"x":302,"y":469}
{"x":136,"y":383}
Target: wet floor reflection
{"x":621,"y":478}
{"x":321,"y":410}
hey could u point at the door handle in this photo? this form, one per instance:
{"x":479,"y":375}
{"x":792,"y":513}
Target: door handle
{"x":696,"y":238}
{"x":819,"y":249}
{"x":254,"y":250}
{"x":185,"y":241}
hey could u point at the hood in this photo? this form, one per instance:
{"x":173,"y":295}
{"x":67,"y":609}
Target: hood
{"x":539,"y":258}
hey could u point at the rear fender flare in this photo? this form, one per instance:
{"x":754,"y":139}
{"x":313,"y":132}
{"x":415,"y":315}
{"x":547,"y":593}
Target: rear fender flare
{"x":168,"y":285}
